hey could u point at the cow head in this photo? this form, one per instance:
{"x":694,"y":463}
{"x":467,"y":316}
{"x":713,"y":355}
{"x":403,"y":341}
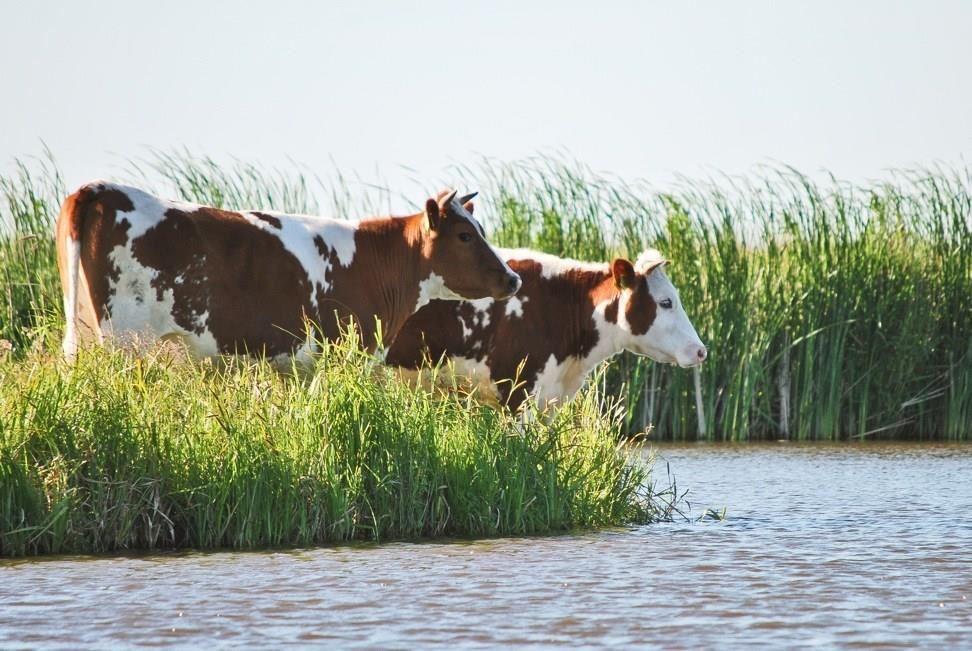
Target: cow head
{"x":651,"y":314}
{"x":463,"y":264}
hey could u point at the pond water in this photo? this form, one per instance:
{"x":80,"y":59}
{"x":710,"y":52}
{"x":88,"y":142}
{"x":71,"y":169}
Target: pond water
{"x":850,"y":546}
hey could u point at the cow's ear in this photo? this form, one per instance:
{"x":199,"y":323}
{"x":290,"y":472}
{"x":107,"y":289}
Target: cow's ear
{"x":432,"y":214}
{"x":623,"y":272}
{"x":469,"y":207}
{"x":652,"y":266}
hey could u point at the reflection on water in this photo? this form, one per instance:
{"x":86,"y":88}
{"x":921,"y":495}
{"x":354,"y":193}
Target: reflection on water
{"x":826,"y":546}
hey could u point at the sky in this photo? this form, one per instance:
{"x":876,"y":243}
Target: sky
{"x":398,"y":90}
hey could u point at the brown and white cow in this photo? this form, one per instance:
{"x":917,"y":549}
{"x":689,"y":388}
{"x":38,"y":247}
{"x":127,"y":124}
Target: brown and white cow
{"x":221,"y":282}
{"x":568,"y":317}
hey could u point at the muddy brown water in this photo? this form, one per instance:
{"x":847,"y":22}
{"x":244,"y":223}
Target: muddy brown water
{"x":826,"y":546}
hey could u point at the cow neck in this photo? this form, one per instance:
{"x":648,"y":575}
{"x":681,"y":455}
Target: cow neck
{"x":577,"y":293}
{"x":392,"y":264}
{"x":597,"y":318}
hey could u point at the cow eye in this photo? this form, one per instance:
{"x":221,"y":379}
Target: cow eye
{"x":465,"y":237}
{"x":666,"y":303}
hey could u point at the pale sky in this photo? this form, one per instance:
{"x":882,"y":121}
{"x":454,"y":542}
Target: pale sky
{"x":639,"y":89}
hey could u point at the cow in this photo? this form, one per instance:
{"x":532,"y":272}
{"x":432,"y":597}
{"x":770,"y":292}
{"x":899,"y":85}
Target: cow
{"x":568,"y":317}
{"x":136,"y":267}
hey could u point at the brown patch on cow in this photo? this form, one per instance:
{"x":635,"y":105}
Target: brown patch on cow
{"x":611,"y":311}
{"x":256,"y":292}
{"x":410,"y":349}
{"x":270,"y":219}
{"x":382,"y":281}
{"x":91,"y":216}
{"x":102,"y":230}
{"x":641,"y":308}
{"x":322,"y":248}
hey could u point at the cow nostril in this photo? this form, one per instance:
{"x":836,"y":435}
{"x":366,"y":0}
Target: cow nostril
{"x":701,"y":353}
{"x":513,"y":284}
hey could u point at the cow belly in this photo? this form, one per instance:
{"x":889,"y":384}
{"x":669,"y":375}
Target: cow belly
{"x":558,"y":381}
{"x":459,"y":374}
{"x":475,"y":377}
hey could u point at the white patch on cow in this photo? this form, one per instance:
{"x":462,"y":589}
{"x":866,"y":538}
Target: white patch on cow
{"x":473,"y":375}
{"x":301,"y":360}
{"x":434,"y":287}
{"x":514,"y":306}
{"x":462,"y":373}
{"x":480,"y":317}
{"x":201,"y":321}
{"x":558,"y":381}
{"x":466,"y":329}
{"x":201,"y":345}
{"x":297,"y":233}
{"x":70,"y":345}
{"x":551,"y":265}
{"x":647,"y":257}
{"x":138,"y":316}
{"x":135,"y":315}
{"x":481,"y":308}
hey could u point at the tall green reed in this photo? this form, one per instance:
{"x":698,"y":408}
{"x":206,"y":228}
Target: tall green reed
{"x":30,"y":198}
{"x":830,"y":310}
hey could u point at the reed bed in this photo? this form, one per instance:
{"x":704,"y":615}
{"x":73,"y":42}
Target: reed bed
{"x":831,"y":311}
{"x":154,"y":451}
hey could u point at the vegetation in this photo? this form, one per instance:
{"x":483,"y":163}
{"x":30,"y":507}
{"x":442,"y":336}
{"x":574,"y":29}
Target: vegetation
{"x":124,"y":452}
{"x":831,"y":311}
{"x":156,"y":451}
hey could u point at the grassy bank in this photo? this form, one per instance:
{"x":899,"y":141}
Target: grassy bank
{"x":831,"y":311}
{"x":121,"y":452}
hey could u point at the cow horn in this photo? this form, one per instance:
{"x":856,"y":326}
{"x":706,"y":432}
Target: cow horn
{"x":446,"y":200}
{"x":463,"y":199}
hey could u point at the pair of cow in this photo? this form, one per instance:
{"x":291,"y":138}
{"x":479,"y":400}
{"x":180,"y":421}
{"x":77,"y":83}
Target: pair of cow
{"x":220,"y":282}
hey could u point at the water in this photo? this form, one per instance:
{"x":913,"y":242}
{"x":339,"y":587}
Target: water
{"x":823,"y":546}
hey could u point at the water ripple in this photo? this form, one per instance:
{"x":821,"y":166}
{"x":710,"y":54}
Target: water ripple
{"x":856,"y":547}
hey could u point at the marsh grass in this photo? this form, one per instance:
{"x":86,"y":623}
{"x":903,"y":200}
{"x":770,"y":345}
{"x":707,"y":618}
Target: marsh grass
{"x":155,"y":451}
{"x":30,"y":301}
{"x":830,"y":311}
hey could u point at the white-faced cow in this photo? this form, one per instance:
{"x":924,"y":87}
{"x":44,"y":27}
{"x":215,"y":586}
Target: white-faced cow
{"x":225,"y":282}
{"x":568,"y":317}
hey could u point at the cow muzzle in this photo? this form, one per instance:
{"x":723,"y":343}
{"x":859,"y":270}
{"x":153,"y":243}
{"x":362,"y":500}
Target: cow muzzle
{"x":692,"y":355}
{"x":509,"y":285}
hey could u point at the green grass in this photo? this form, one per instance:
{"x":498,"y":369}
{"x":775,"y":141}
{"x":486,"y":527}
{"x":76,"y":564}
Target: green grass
{"x":118,"y":452}
{"x":830,"y":311}
{"x":30,"y":300}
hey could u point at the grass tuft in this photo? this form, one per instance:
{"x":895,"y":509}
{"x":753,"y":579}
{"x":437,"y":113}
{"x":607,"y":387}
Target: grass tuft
{"x":122,"y":452}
